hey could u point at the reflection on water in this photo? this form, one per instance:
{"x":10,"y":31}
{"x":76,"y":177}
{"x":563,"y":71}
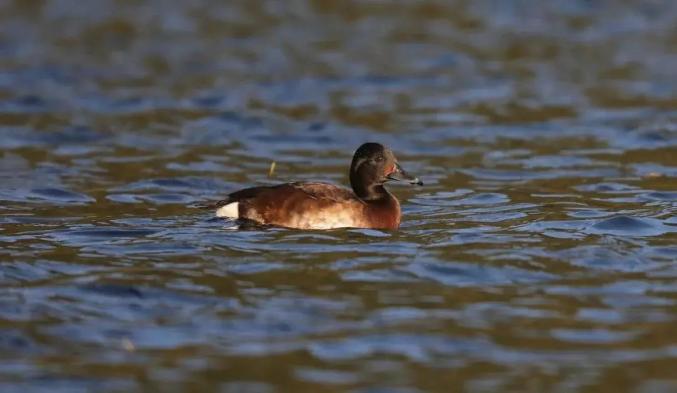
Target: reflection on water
{"x":540,"y":255}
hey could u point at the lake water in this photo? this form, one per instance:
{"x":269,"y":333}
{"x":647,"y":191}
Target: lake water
{"x":540,"y":256}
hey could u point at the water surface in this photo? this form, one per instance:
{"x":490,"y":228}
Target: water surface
{"x":539,"y":256}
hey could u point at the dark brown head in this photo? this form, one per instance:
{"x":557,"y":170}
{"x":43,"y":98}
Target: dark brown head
{"x":373,"y":165}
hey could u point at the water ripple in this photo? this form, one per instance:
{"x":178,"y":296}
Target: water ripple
{"x":539,"y":256}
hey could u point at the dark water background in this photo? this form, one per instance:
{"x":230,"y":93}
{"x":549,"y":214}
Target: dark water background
{"x":539,"y":257}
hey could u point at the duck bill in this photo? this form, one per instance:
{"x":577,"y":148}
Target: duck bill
{"x":400,"y":174}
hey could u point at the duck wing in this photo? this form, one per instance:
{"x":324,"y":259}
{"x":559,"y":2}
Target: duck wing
{"x":294,"y":205}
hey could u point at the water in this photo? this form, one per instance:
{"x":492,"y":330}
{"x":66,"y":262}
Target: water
{"x":539,"y":256}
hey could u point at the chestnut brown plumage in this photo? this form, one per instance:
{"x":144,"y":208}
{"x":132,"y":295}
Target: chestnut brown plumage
{"x":307,"y":205}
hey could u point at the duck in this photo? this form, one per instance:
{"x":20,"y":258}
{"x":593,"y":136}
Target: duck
{"x":315,"y":205}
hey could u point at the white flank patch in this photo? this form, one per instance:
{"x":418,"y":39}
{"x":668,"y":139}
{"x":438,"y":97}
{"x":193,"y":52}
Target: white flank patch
{"x":230,"y":210}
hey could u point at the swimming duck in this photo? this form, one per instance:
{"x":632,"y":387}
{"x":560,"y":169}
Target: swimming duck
{"x":309,"y":205}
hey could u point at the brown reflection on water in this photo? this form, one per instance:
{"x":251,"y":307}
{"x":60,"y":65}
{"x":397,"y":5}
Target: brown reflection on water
{"x":540,"y":255}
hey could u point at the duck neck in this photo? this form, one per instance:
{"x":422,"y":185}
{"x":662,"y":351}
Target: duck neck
{"x":372,"y":192}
